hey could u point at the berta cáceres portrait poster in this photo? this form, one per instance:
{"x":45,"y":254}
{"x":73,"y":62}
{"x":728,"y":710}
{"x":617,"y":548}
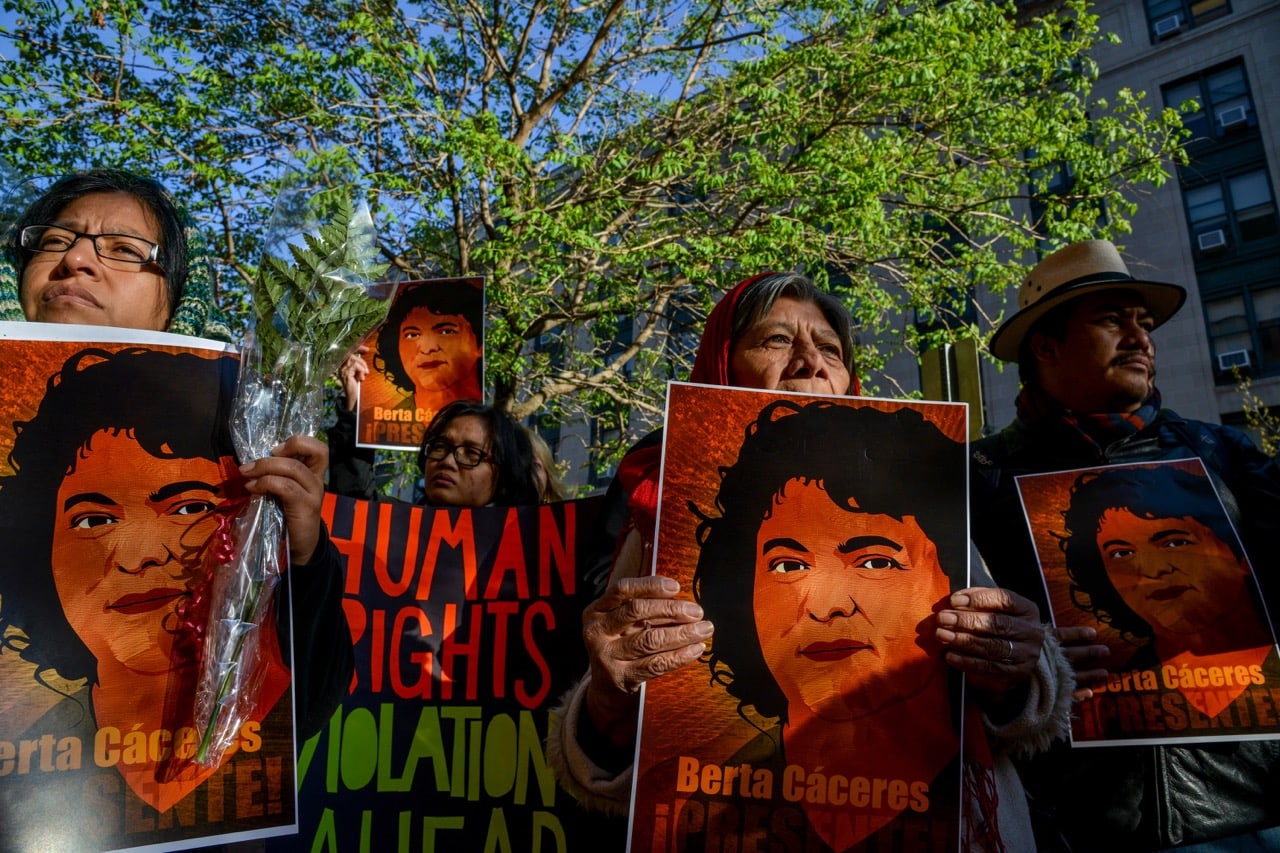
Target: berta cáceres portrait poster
{"x":819,"y":535}
{"x":115,"y":465}
{"x":426,"y":354}
{"x":1147,"y":555}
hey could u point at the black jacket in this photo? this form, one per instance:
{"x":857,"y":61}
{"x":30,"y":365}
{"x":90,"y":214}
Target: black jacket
{"x":320,"y":640}
{"x":350,"y":467}
{"x":1140,"y":797}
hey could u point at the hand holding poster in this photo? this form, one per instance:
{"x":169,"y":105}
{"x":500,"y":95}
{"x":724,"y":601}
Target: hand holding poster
{"x":823,"y":716}
{"x":1146,"y":554}
{"x":116,"y":462}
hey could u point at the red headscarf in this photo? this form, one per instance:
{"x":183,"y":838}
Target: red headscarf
{"x":711,"y":366}
{"x":639,"y":469}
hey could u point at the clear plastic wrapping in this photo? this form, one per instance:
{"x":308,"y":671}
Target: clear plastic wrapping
{"x":311,"y":309}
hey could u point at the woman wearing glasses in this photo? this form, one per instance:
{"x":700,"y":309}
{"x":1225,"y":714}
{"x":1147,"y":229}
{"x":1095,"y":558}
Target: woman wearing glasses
{"x":476,"y":455}
{"x":109,"y":248}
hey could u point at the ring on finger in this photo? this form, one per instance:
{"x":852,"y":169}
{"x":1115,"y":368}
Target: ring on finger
{"x":1008,"y":655}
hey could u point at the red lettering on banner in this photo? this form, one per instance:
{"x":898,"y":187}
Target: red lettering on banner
{"x":420,"y":688}
{"x":527,"y":699}
{"x":509,"y":560}
{"x":556,"y":547}
{"x":380,"y":649}
{"x":460,"y":537}
{"x":352,"y":548}
{"x":468,"y":650}
{"x":504,"y":610}
{"x":381,"y":568}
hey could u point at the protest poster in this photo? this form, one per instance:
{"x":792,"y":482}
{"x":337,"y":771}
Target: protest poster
{"x":114,"y":465}
{"x":1147,"y":555}
{"x":818,"y":535}
{"x":426,"y":354}
{"x":467,"y":624}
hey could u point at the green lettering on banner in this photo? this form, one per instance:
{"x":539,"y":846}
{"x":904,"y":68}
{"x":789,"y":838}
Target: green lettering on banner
{"x":497,"y":838}
{"x":499,"y":748}
{"x":531,"y":754}
{"x":366,"y":833}
{"x":308,"y":752}
{"x":548,"y":822}
{"x":459,"y":716}
{"x":359,"y":749}
{"x":428,"y":742}
{"x":475,"y":742}
{"x":326,"y":837}
{"x":406,"y":826}
{"x":332,"y":755}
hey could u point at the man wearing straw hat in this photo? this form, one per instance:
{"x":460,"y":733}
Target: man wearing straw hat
{"x":1082,"y":339}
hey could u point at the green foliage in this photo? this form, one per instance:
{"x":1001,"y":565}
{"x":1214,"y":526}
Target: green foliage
{"x":611,"y":158}
{"x":319,"y":300}
{"x":1259,"y":418}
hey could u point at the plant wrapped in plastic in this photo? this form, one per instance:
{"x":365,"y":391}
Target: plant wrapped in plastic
{"x":309,"y":310}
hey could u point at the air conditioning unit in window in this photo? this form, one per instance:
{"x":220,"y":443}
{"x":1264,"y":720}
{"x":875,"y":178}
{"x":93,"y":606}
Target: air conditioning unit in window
{"x":1233,"y":117}
{"x":1166,"y":27}
{"x":1234,"y":358}
{"x":1212,"y":241}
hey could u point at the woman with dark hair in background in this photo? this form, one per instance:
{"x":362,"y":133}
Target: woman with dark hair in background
{"x":472,"y":454}
{"x":476,"y":455}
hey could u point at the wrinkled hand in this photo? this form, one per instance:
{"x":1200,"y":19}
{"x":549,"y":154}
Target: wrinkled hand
{"x":994,"y":636}
{"x":352,"y":372}
{"x":1078,"y":645}
{"x":636,"y":631}
{"x":294,"y":475}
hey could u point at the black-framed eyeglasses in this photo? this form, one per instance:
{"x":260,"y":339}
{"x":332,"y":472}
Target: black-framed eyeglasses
{"x":56,"y":240}
{"x":464,"y":454}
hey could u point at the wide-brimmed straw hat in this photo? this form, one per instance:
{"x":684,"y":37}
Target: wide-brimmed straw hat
{"x":1078,"y":270}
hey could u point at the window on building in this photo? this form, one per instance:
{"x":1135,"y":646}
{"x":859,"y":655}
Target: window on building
{"x":1253,"y":205}
{"x":1167,"y":18}
{"x":1214,"y":104}
{"x":1266,"y":312}
{"x":1244,"y":332}
{"x":1230,"y":213}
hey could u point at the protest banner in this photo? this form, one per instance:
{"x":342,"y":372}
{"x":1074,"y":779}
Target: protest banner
{"x":819,"y":535}
{"x":467,"y":625}
{"x":114,"y":466}
{"x":427,"y":353}
{"x":1147,"y":555}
